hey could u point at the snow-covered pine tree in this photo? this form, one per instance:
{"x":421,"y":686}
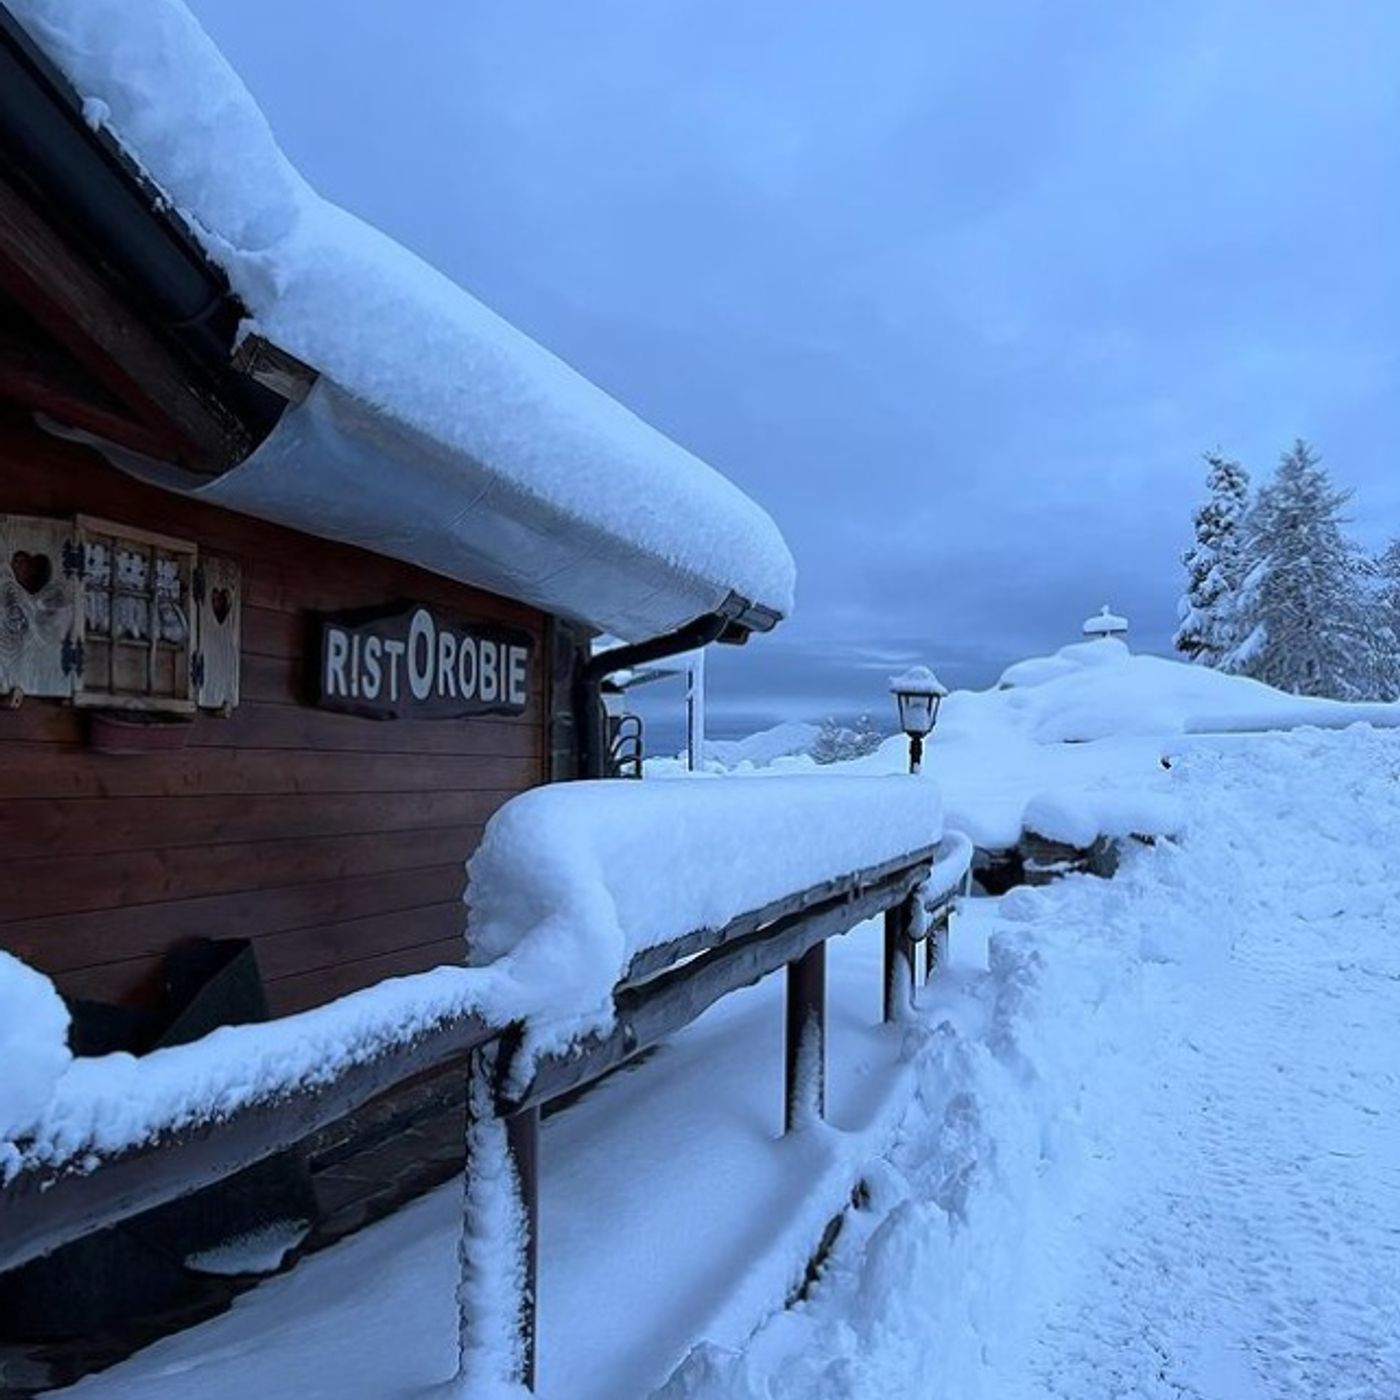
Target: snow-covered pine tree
{"x":1385,"y":621}
{"x":1207,"y":633}
{"x":1301,"y":611}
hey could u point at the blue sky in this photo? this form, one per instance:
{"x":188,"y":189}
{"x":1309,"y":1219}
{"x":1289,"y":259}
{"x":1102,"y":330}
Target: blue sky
{"x":959,"y":292}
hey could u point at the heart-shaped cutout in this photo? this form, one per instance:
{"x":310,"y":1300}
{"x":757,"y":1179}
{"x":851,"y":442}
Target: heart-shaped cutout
{"x":32,"y":571}
{"x":220,"y":604}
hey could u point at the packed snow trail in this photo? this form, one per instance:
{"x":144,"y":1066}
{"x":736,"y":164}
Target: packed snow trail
{"x":1250,"y":1245}
{"x":1167,"y":1164}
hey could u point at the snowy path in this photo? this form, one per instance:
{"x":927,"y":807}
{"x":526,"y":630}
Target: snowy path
{"x":1167,"y":1164}
{"x":1252,"y":1243}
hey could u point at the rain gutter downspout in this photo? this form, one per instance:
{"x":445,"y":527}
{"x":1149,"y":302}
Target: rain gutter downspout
{"x":588,"y":688}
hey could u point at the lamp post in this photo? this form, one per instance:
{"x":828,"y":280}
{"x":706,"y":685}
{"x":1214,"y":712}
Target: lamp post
{"x":918,"y":693}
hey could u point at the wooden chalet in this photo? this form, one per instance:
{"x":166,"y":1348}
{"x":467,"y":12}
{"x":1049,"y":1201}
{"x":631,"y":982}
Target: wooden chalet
{"x":249,"y":736}
{"x":272,"y":652}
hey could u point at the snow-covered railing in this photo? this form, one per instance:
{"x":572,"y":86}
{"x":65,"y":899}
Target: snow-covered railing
{"x":605,"y":917}
{"x":122,"y":1134}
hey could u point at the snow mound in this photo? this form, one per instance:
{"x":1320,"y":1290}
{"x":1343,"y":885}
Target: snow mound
{"x":781,"y":741}
{"x":592,"y":873}
{"x":1077,"y":745}
{"x":33,"y":1047}
{"x":1044,"y":1219}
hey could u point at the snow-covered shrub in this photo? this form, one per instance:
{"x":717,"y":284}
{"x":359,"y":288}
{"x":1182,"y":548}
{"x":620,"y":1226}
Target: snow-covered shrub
{"x":837,"y":742}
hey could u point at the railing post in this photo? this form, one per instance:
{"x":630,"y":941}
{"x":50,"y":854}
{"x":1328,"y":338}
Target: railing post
{"x":523,"y":1144}
{"x":899,"y":960}
{"x":936,"y":942}
{"x":499,"y":1247}
{"x":805,"y":1057}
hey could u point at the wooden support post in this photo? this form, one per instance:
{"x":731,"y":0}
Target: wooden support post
{"x":523,"y":1144}
{"x":805,"y":1059}
{"x":499,"y":1250}
{"x":936,"y":941}
{"x":899,"y":961}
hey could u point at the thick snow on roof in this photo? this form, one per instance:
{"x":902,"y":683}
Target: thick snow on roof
{"x":381,"y":324}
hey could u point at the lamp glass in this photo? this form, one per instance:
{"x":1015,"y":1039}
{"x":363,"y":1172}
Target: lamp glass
{"x":917,"y":711}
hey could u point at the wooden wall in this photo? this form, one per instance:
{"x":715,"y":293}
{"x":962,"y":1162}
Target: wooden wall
{"x":336,"y":843}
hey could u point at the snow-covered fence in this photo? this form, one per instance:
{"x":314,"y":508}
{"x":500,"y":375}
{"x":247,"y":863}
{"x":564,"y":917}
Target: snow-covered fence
{"x":604,"y":917}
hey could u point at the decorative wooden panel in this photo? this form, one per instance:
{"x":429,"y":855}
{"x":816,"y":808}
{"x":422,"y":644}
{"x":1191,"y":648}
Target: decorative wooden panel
{"x":220,"y":626}
{"x":38,"y":601}
{"x":138,"y":622}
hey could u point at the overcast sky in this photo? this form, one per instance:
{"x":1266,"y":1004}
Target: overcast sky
{"x":959,"y":292}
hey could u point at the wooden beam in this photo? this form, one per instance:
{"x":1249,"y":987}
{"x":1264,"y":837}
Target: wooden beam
{"x":41,"y":1210}
{"x":804,"y":1057}
{"x":670,"y":1001}
{"x":74,"y":305}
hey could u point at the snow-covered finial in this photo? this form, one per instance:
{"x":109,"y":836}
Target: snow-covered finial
{"x":1105,"y":623}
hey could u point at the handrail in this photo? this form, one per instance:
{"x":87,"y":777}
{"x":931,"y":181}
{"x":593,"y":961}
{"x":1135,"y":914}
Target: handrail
{"x":663,"y":989}
{"x":43,"y":1208}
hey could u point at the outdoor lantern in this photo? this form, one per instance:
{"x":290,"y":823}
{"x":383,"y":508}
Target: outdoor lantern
{"x":918,"y":693}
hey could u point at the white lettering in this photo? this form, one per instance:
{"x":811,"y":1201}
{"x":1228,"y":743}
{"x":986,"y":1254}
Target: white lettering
{"x":466,"y":668}
{"x":374,"y":672}
{"x":355,"y":665}
{"x":420,"y":650}
{"x":518,"y":694}
{"x":490,"y":671}
{"x":394,"y":651}
{"x":447,"y":659}
{"x":337,"y":649}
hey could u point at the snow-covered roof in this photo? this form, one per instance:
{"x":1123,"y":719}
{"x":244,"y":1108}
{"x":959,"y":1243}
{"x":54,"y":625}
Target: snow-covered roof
{"x":437,"y":433}
{"x":917,"y":680}
{"x":1105,"y":623}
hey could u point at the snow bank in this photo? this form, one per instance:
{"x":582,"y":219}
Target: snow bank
{"x":1043,"y":1226}
{"x":384,"y":326}
{"x":33,"y":1048}
{"x":793,"y":736}
{"x":600,"y":871}
{"x":1071,"y":745}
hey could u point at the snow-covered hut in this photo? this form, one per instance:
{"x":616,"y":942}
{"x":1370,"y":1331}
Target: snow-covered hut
{"x":302,"y":549}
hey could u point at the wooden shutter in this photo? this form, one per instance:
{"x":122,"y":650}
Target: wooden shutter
{"x":39,"y":590}
{"x":220,"y":626}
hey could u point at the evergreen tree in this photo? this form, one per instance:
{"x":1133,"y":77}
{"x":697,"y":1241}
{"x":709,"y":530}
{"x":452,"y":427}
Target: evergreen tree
{"x":1207,"y":632}
{"x":1300,"y":612}
{"x":1385,"y":628}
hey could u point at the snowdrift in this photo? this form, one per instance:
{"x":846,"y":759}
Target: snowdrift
{"x":1071,"y":746}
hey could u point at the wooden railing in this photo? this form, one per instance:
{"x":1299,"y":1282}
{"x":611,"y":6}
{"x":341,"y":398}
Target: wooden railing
{"x":663,"y":990}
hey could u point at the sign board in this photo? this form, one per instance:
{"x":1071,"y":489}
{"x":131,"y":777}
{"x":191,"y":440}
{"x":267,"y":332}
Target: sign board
{"x":410,"y":662}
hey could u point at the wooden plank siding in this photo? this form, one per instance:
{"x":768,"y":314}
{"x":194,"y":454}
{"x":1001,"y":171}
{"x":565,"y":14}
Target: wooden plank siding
{"x":337,"y":844}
